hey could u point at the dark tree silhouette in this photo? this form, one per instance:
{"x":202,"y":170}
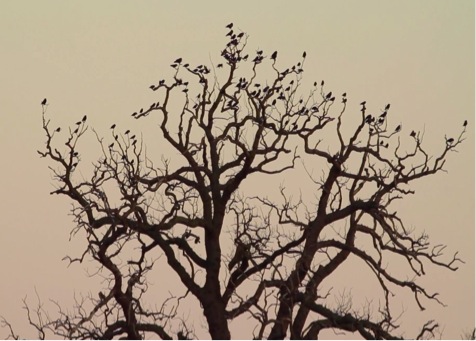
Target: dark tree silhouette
{"x":240,"y":255}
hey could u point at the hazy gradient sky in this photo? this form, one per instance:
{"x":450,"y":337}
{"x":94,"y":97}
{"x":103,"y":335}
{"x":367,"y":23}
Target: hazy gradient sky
{"x":99,"y":57}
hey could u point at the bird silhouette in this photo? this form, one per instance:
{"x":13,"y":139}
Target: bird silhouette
{"x":450,"y":140}
{"x":274,"y":55}
{"x":58,"y":129}
{"x":43,"y":102}
{"x":241,"y":254}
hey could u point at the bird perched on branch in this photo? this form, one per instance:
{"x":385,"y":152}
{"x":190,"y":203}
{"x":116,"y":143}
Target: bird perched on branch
{"x":242,"y":254}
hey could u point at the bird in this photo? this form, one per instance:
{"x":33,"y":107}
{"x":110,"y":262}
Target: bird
{"x":43,"y":102}
{"x":229,"y":26}
{"x":399,"y":127}
{"x":450,"y":140}
{"x":84,"y":118}
{"x":274,"y":55}
{"x":113,"y":126}
{"x":58,"y":129}
{"x":241,"y":254}
{"x":465,"y":123}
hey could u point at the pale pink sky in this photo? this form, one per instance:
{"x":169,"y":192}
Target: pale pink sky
{"x":98,"y":58}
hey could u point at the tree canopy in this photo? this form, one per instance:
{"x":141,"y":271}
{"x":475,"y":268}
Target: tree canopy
{"x":191,"y":217}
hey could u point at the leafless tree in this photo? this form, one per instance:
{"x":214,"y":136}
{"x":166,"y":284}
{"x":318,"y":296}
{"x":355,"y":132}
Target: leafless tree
{"x":259,"y":256}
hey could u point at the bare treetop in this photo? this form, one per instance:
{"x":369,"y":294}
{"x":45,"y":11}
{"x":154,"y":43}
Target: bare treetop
{"x":231,"y":125}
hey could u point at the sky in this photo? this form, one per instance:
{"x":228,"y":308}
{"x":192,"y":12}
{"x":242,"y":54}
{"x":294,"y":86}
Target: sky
{"x":98,"y":58}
